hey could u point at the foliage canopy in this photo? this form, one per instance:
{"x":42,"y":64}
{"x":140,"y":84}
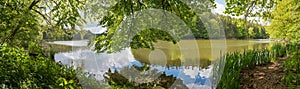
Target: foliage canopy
{"x":285,"y":21}
{"x":21,"y":71}
{"x":116,"y":12}
{"x":250,"y":8}
{"x":22,"y":21}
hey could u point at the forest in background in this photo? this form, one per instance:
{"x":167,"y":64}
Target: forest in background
{"x":234,"y":29}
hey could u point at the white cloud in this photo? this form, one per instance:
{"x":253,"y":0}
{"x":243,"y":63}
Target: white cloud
{"x":203,"y":72}
{"x":196,"y":86}
{"x":96,"y":29}
{"x":220,"y":8}
{"x":97,"y":63}
{"x":71,"y":43}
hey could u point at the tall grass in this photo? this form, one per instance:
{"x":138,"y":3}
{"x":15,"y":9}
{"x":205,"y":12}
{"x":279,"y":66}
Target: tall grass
{"x":236,"y":61}
{"x":289,"y":53}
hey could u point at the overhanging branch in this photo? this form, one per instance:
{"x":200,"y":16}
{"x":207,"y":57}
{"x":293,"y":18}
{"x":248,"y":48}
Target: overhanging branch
{"x":44,"y":17}
{"x":33,"y":4}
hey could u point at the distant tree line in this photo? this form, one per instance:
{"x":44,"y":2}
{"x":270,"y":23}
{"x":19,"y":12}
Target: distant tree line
{"x":66,"y":34}
{"x":234,"y":28}
{"x":241,"y":29}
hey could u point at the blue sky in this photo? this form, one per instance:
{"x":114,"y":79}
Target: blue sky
{"x":220,"y":6}
{"x":221,"y":2}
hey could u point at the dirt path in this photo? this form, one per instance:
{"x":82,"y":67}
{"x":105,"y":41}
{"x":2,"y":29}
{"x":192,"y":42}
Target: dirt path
{"x":268,"y":76}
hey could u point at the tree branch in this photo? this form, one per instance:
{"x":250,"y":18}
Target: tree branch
{"x":33,"y":4}
{"x":45,"y":18}
{"x":11,"y":36}
{"x":248,"y":10}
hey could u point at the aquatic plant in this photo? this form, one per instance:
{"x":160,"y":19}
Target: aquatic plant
{"x":279,"y":51}
{"x":236,"y":61}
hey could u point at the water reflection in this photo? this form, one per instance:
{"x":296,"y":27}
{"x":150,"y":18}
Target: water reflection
{"x":95,"y":63}
{"x":156,"y":58}
{"x":144,"y":81}
{"x":123,"y":62}
{"x":163,"y":67}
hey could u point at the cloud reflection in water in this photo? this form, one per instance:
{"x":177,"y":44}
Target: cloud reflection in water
{"x":98,"y":64}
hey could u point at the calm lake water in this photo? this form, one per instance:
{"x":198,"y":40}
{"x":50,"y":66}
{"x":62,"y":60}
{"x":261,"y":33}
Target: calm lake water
{"x":190,"y":61}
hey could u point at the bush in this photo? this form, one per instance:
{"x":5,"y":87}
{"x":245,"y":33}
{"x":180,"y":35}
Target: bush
{"x":292,"y":66}
{"x":18,"y":70}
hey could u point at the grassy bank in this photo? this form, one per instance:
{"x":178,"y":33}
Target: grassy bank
{"x":235,"y":62}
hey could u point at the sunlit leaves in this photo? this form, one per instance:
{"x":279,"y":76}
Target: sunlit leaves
{"x":115,"y":15}
{"x":285,"y":21}
{"x":250,"y":8}
{"x":291,"y":64}
{"x":21,"y":71}
{"x":22,"y":20}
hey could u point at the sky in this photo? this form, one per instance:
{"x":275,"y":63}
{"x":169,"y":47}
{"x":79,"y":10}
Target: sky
{"x":221,"y":2}
{"x":220,"y":6}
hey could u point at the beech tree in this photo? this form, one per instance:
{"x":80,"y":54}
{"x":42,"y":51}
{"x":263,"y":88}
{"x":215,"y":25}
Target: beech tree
{"x":22,"y":21}
{"x":115,"y":13}
{"x":250,"y":8}
{"x":285,"y":21}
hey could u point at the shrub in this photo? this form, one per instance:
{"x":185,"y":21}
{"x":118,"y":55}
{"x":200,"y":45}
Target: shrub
{"x":18,"y":70}
{"x":292,"y":66}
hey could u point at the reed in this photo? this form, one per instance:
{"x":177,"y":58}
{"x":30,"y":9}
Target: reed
{"x":236,"y":61}
{"x":289,"y":53}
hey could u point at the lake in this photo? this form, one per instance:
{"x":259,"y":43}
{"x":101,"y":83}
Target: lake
{"x":190,"y":61}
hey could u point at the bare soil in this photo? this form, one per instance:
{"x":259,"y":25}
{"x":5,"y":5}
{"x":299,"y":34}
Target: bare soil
{"x":265,"y":76}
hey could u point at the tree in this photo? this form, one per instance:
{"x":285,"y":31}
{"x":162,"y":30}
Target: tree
{"x":213,"y":26}
{"x":19,"y":70}
{"x":250,"y":8}
{"x":133,"y":78}
{"x":285,"y":21}
{"x":202,"y":34}
{"x":229,"y":26}
{"x":125,"y":12}
{"x":23,"y":21}
{"x":251,"y":32}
